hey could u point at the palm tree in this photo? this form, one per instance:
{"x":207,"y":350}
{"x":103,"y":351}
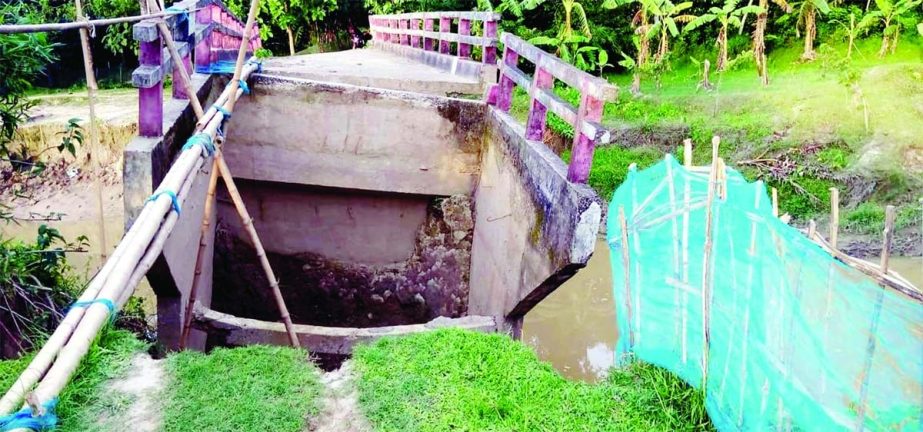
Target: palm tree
{"x":727,"y":16}
{"x":807,"y":18}
{"x":889,"y":13}
{"x":759,"y":37}
{"x":666,"y":14}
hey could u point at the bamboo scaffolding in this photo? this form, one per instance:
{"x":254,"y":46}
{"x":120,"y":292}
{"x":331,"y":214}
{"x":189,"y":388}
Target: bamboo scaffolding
{"x":706,"y":260}
{"x":82,"y":24}
{"x":200,"y":254}
{"x":178,"y":64}
{"x":626,"y":263}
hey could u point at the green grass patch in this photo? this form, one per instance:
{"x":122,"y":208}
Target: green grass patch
{"x":255,"y":388}
{"x":610,"y":166}
{"x":465,"y":381}
{"x":869,"y":218}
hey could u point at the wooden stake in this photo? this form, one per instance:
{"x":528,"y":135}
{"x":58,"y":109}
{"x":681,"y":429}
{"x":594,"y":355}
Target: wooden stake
{"x":887,"y":237}
{"x":200,"y":254}
{"x":775,"y":202}
{"x":626,"y":263}
{"x":812,"y":229}
{"x":94,"y":129}
{"x":178,"y":64}
{"x":706,"y":260}
{"x":687,"y":153}
{"x":247,"y":222}
{"x":834,"y":216}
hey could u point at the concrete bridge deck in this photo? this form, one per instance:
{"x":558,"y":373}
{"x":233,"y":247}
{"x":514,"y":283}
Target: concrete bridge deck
{"x":376,"y":68}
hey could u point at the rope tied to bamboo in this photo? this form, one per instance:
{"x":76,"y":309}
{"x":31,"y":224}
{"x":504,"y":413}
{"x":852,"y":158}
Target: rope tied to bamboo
{"x":243,"y":86}
{"x":224,"y":112}
{"x":256,"y":62}
{"x":25,"y":418}
{"x":182,"y":13}
{"x":169,"y":193}
{"x":103,"y":301}
{"x":203,"y":140}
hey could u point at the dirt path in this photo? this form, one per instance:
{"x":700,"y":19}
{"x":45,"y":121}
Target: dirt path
{"x":340,"y":412}
{"x":139,"y":394}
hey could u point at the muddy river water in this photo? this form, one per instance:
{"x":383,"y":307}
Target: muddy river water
{"x":573,"y":329}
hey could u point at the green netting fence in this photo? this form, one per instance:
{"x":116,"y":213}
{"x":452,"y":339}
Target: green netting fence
{"x":798,"y":340}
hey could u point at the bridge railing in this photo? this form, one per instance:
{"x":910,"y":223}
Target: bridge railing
{"x":417,"y":30}
{"x":205,"y":29}
{"x":585,"y":118}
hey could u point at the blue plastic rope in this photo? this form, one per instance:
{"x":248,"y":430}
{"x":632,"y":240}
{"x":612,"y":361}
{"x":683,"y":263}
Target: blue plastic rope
{"x":203,"y":140}
{"x":258,"y":63}
{"x":224,"y":112}
{"x":169,"y":193}
{"x":243,"y":85}
{"x":182,"y":12}
{"x":23,"y":419}
{"x":103,"y":301}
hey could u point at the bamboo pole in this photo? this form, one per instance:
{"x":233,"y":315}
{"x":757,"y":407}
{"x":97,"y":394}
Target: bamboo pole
{"x":675,"y":241}
{"x":775,"y":202}
{"x":247,"y":221}
{"x":706,"y":259}
{"x":687,"y":153}
{"x":94,"y":129}
{"x":751,"y":270}
{"x":626,"y":263}
{"x":242,"y":52}
{"x":687,"y":197}
{"x":81,"y":24}
{"x":178,"y":64}
{"x":834,"y":216}
{"x":887,"y":236}
{"x":200,"y":254}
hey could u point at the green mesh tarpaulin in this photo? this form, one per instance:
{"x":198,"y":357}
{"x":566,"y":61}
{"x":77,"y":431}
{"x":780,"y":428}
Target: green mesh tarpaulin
{"x":798,"y":340}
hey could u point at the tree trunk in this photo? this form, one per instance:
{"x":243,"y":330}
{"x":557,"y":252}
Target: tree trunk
{"x":759,"y":43}
{"x":636,"y":85}
{"x":664,"y":46}
{"x":810,"y":31}
{"x":644,"y":50}
{"x":722,"y":49}
{"x":291,"y":40}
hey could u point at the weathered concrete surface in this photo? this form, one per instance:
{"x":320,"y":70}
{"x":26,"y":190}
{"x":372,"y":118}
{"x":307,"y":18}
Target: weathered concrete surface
{"x":146,"y":161}
{"x":228,"y":330}
{"x":375,"y":68}
{"x":345,"y":258}
{"x":533,"y":228}
{"x":338,"y":135}
{"x":485,"y":74}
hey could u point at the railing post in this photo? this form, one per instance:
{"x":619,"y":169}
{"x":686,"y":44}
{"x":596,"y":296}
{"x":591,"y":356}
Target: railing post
{"x":542,"y":80}
{"x":490,"y":51}
{"x":590,"y":109}
{"x":445,"y":26}
{"x":203,"y":18}
{"x":150,"y":99}
{"x":505,"y":97}
{"x":181,"y":35}
{"x":414,"y":39}
{"x":405,"y":40}
{"x":428,"y":43}
{"x":217,"y":40}
{"x":392,"y":37}
{"x":464,"y":29}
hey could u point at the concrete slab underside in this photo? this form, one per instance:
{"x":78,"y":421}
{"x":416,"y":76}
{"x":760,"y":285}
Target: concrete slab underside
{"x":372,"y":68}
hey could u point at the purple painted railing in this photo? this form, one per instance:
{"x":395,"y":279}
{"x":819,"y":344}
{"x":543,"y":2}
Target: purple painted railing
{"x":208,"y":26}
{"x":594,"y":92}
{"x":405,"y":29}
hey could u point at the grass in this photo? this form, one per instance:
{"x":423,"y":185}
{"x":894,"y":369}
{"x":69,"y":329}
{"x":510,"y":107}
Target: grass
{"x":84,"y":401}
{"x":242,"y":389}
{"x":466,"y":381}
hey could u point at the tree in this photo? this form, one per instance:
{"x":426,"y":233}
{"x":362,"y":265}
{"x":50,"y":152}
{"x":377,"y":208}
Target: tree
{"x":889,"y":14}
{"x":666,"y":15}
{"x":570,"y":41}
{"x":759,"y":37}
{"x":807,"y":18}
{"x":727,"y":16}
{"x":854,"y":29}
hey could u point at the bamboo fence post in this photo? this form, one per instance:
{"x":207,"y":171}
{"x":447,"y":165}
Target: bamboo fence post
{"x":94,"y":130}
{"x":775,"y":202}
{"x":687,"y":153}
{"x":751,"y":270}
{"x":834,"y":216}
{"x":706,"y":259}
{"x":200,"y":254}
{"x":626,"y":263}
{"x":812,"y":229}
{"x":247,"y":221}
{"x":887,"y":236}
{"x":178,"y":64}
{"x":687,"y":198}
{"x":675,"y":241}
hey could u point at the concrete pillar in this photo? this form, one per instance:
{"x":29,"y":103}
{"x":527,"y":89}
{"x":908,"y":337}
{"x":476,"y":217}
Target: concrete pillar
{"x":535,"y":126}
{"x":505,"y":96}
{"x":445,"y":26}
{"x":428,"y":43}
{"x":464,"y":29}
{"x":591,"y":109}
{"x":150,"y":100}
{"x":490,"y":51}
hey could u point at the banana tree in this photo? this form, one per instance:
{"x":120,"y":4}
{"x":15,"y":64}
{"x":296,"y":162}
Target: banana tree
{"x":568,"y":40}
{"x":807,"y":18}
{"x":855,"y":29}
{"x":728,"y":16}
{"x":666,"y":15}
{"x":889,"y":13}
{"x":759,"y":37}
